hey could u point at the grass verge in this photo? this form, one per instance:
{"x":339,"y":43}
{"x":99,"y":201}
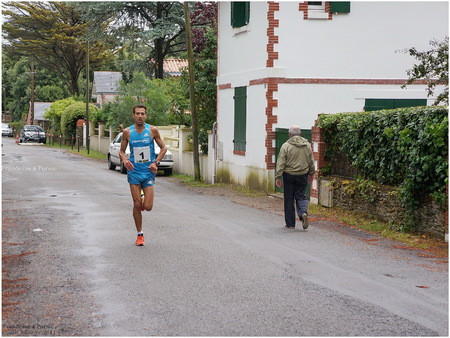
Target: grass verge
{"x":384,"y":229}
{"x":83,"y":152}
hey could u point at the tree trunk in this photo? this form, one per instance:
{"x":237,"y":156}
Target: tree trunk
{"x":159,"y":59}
{"x":192,"y":93}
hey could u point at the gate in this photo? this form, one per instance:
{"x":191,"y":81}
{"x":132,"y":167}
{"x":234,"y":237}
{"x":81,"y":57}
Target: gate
{"x":281,"y":136}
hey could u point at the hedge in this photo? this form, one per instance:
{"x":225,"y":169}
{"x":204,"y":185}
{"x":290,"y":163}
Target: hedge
{"x":71,"y":114}
{"x":406,"y":147}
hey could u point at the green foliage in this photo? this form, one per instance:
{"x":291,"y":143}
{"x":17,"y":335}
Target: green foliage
{"x":432,"y":67}
{"x":55,"y":112}
{"x":405,"y":147}
{"x":152,"y":30}
{"x":49,"y":93}
{"x":71,"y":114}
{"x":54,"y":35}
{"x":100,"y":115}
{"x":205,"y":70}
{"x":367,"y":189}
{"x":16,"y":83}
{"x":162,"y":98}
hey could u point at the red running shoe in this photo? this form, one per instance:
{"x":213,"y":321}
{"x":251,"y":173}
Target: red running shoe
{"x":140,"y":240}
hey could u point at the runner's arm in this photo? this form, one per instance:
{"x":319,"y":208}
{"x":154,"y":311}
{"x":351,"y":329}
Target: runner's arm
{"x":160,"y":142}
{"x":123,"y":148}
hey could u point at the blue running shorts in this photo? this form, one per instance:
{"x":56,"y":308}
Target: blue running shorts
{"x":144,"y":179}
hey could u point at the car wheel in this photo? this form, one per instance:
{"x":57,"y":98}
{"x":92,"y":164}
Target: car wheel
{"x":168,"y":172}
{"x":111,"y":166}
{"x":123,"y":169}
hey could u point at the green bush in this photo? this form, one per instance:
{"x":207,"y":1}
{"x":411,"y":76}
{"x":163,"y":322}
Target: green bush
{"x":405,"y":147}
{"x":71,"y":114}
{"x":55,"y":111}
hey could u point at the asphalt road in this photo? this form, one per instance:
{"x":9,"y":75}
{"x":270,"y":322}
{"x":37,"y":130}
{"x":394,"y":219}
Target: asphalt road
{"x":210,"y":267}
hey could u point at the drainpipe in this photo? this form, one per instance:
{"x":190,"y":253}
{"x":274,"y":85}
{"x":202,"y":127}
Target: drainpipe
{"x":213,"y":176}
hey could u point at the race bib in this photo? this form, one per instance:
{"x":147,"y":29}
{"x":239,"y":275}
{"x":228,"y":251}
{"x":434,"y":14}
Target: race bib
{"x":141,"y":154}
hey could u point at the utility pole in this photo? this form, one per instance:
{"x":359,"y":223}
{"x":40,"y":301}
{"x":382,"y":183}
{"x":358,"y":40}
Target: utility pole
{"x":87,"y":98}
{"x":32,"y":93}
{"x":192,"y":92}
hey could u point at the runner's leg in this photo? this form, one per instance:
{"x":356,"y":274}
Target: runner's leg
{"x":137,"y":205}
{"x":149,"y":194}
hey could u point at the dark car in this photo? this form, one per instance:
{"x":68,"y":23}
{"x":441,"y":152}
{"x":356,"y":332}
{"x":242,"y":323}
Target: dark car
{"x":32,"y":133}
{"x":7,"y":130}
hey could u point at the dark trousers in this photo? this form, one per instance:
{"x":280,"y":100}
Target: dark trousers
{"x":294,"y":196}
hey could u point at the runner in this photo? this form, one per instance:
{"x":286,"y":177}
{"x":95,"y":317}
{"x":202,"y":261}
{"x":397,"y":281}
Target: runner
{"x":142,"y":165}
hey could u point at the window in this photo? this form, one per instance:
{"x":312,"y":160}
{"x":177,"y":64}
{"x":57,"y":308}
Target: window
{"x":240,"y":13}
{"x":379,"y":104}
{"x":316,"y":5}
{"x":323,"y":9}
{"x":316,"y":10}
{"x":240,"y":120}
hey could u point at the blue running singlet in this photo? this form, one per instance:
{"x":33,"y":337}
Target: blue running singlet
{"x":142,"y":154}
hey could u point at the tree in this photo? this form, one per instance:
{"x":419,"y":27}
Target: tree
{"x":16,"y":75}
{"x":160,"y":96}
{"x":432,"y":67}
{"x":204,"y":44}
{"x":154,"y":29}
{"x":16,"y":83}
{"x":54,"y":34}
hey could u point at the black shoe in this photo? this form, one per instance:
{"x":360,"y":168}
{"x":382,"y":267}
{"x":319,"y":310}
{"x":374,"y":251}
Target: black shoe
{"x":290,"y":226}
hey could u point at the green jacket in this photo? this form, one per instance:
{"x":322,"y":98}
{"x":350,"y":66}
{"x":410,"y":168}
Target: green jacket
{"x":295,"y":157}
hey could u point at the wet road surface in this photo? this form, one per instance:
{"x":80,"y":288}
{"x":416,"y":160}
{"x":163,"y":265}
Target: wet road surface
{"x":210,"y":266}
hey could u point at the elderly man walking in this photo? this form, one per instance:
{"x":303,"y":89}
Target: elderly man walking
{"x":295,"y":162}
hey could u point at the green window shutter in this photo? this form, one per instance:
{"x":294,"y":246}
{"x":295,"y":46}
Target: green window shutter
{"x":403,"y":103}
{"x":240,"y":13}
{"x":379,"y":104}
{"x":340,"y":6}
{"x":240,"y":118}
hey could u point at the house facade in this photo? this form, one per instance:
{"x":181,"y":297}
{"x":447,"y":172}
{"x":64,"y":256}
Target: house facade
{"x":40,"y":108}
{"x":105,"y":87}
{"x":284,"y":63}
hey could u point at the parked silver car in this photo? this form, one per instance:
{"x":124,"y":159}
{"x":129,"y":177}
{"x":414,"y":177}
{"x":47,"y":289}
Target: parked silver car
{"x":7,"y":130}
{"x":114,"y":160}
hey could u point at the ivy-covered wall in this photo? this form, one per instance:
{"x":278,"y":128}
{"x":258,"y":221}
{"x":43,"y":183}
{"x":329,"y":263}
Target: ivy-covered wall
{"x":406,"y":148}
{"x":384,"y":202}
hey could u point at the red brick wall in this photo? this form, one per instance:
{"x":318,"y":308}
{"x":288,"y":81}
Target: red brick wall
{"x":319,"y":146}
{"x":303,"y":7}
{"x":272,"y":84}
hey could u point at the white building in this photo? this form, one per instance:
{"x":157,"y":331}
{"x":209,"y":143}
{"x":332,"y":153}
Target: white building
{"x":283,"y":63}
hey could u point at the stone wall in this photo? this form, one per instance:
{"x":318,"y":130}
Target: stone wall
{"x":384,"y":203}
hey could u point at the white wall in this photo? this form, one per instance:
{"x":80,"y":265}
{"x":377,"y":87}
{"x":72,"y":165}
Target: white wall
{"x":237,"y":46}
{"x":301,"y":103}
{"x":360,"y":44}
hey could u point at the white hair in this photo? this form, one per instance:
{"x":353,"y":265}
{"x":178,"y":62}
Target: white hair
{"x":295,"y":130}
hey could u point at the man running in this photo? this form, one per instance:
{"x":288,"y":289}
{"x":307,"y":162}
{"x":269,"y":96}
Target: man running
{"x":142,"y":165}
